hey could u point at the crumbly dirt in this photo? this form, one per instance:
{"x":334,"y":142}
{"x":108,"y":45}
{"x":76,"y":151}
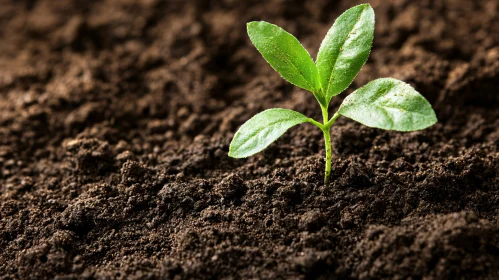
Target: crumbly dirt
{"x":115,"y":122}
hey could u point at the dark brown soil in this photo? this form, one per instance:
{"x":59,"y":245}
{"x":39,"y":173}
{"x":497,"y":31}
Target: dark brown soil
{"x":115,"y":121}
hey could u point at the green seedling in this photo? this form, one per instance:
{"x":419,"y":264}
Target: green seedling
{"x":384,"y":103}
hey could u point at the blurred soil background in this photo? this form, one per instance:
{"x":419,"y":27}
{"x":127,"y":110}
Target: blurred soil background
{"x":115,"y":122}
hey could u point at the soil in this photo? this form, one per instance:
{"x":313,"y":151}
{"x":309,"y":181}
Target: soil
{"x":115,"y":122}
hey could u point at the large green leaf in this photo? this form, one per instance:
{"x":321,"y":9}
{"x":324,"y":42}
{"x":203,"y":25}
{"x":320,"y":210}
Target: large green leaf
{"x":263,"y":129}
{"x":389,"y":104}
{"x":286,"y":55}
{"x":345,"y":49}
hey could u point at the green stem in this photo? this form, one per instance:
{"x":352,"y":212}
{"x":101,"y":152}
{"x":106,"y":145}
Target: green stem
{"x":327,"y":141}
{"x":326,"y":127}
{"x":316,"y":123}
{"x":331,"y":121}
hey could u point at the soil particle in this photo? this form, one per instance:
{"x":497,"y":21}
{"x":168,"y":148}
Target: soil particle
{"x":457,"y":245}
{"x":230,"y":188}
{"x":91,"y":155}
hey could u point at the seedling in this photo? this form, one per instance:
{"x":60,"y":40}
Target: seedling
{"x":384,"y":103}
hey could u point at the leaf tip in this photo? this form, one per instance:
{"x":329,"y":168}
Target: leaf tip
{"x":255,"y":24}
{"x":365,"y":6}
{"x":249,"y":25}
{"x":434,"y":118}
{"x":232,"y":153}
{"x":368,"y":9}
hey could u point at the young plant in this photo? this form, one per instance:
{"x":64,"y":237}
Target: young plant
{"x":383,"y":103}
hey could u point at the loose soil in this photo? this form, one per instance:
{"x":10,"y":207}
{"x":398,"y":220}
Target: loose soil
{"x":115,"y":122}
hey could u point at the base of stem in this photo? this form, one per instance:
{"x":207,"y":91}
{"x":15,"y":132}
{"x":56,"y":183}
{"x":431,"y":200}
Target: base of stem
{"x":327,"y":142}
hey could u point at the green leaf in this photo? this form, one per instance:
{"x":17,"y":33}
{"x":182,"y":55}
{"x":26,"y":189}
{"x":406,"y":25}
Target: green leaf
{"x":286,"y":55}
{"x":345,"y":49}
{"x":389,"y":104}
{"x":263,"y":129}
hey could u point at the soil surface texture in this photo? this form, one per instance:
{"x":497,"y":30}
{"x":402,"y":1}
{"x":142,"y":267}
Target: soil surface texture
{"x":116,"y":119}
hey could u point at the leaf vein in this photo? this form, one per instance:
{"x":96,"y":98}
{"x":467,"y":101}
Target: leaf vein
{"x":282,"y":55}
{"x":341,"y":49}
{"x":250,"y":136}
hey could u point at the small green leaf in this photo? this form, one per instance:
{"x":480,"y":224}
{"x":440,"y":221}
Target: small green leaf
{"x":286,"y":55}
{"x":263,"y":129}
{"x":389,"y":104}
{"x":345,"y":49}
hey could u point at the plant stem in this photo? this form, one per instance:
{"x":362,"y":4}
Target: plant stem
{"x":316,"y":123}
{"x":332,"y":120}
{"x":327,"y":141}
